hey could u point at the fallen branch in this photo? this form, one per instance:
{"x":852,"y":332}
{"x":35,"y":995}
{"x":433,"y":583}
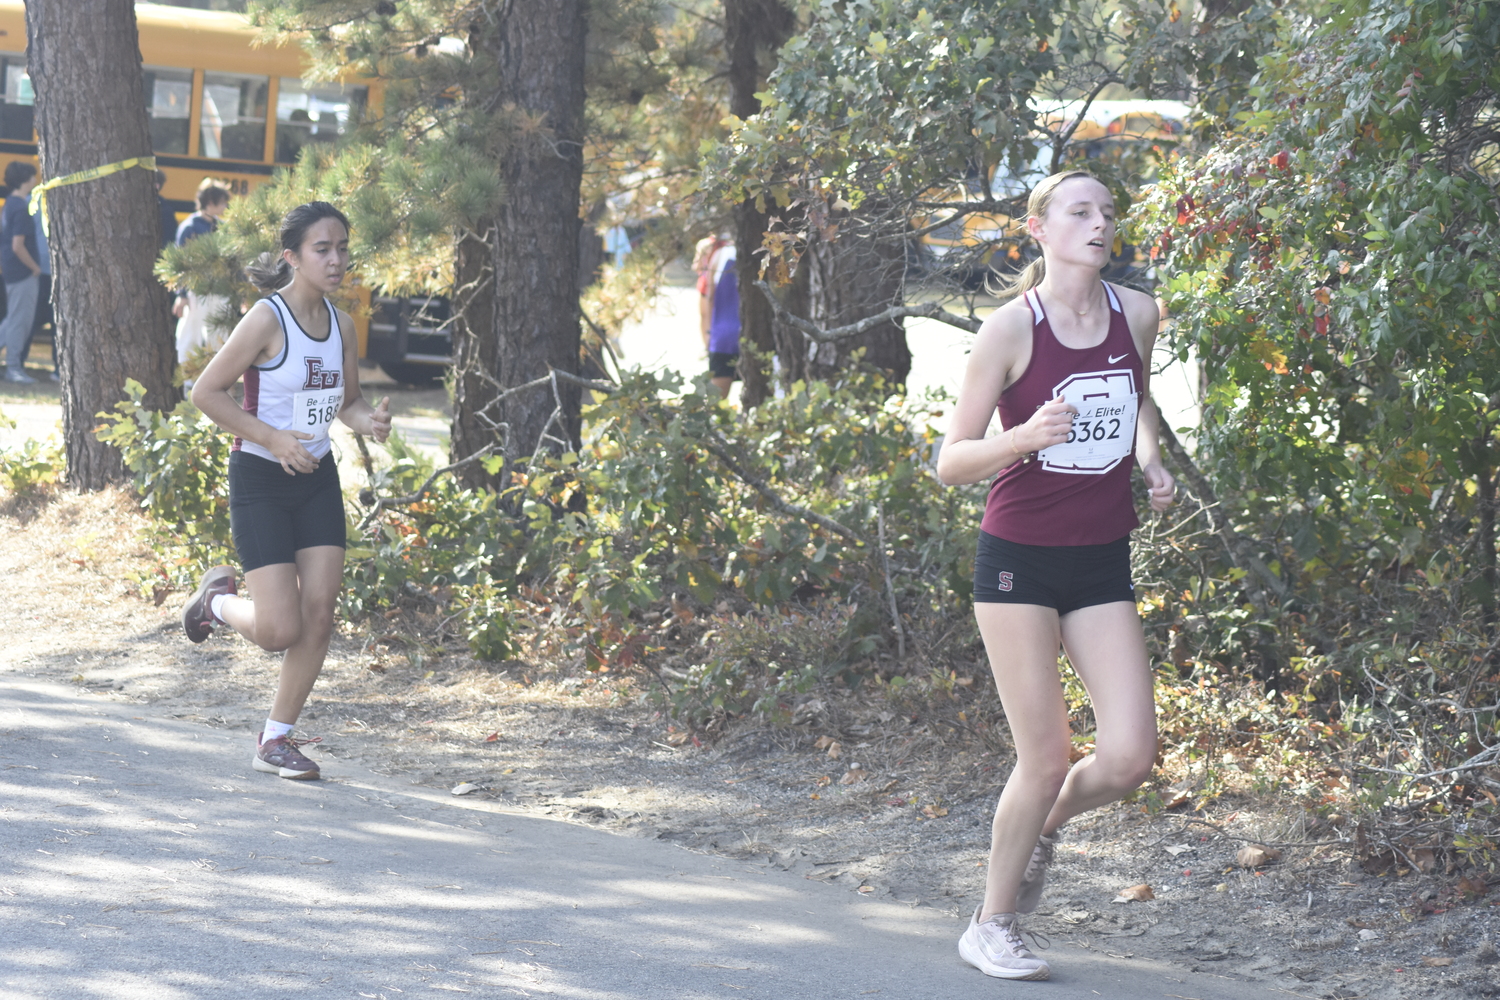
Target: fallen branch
{"x":718,"y":447}
{"x":383,"y":502}
{"x":928,"y":310}
{"x":890,"y":589}
{"x":1234,"y":544}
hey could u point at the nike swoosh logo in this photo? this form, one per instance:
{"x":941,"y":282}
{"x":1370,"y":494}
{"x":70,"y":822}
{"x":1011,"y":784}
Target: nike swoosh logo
{"x":1115,"y":361}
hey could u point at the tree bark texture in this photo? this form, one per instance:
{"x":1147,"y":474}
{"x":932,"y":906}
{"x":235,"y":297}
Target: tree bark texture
{"x":859,"y":272}
{"x":518,"y":278}
{"x":753,"y":31}
{"x":85,"y":65}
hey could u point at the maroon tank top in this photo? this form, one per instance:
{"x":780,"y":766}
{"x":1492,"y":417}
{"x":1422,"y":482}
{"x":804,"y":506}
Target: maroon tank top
{"x":1076,"y":493}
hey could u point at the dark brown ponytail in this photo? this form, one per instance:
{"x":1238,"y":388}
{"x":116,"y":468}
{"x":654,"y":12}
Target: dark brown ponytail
{"x":270,"y":271}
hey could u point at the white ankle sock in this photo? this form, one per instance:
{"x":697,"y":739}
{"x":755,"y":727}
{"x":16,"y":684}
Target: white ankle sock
{"x":274,"y":729}
{"x":216,"y":607}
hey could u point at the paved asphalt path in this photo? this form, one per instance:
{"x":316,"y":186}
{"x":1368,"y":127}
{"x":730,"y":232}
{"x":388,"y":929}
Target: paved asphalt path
{"x":142,"y":857}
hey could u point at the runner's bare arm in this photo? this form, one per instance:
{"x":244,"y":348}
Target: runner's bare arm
{"x":256,"y":339}
{"x":358,"y":414}
{"x":999,"y":356}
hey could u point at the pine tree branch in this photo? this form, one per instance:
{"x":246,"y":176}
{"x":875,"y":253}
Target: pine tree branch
{"x":929,"y":310}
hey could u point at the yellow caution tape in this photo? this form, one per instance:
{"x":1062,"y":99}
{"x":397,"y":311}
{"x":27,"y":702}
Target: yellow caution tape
{"x":39,"y":193}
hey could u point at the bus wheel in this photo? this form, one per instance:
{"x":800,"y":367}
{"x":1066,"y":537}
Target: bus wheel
{"x":411,"y":373}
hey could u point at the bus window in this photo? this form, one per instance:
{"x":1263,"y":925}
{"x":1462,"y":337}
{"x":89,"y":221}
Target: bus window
{"x":314,"y":113}
{"x":169,"y":98}
{"x":16,"y":115}
{"x":234,"y":116}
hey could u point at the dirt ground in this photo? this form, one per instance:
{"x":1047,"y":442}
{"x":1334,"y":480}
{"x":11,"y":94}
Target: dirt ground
{"x":548,"y":739}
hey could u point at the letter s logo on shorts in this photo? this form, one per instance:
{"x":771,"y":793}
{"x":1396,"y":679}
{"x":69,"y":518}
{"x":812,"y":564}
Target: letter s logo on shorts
{"x":1007,"y":581}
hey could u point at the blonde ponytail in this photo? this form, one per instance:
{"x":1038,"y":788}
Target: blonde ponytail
{"x":1028,"y":278}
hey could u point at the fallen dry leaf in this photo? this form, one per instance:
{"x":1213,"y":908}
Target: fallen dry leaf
{"x":1176,"y":796}
{"x":1437,"y":963}
{"x":834,"y":749}
{"x":1256,"y":856}
{"x":491,"y":738}
{"x":934,"y":812}
{"x":854,"y":774}
{"x":1135,"y":894}
{"x":824,"y":742}
{"x":1425,"y":860}
{"x":677,"y":739}
{"x":1472,"y":888}
{"x":464,"y":788}
{"x":1177,"y":849}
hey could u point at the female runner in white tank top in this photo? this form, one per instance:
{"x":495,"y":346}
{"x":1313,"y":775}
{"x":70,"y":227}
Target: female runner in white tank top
{"x":299,"y":359}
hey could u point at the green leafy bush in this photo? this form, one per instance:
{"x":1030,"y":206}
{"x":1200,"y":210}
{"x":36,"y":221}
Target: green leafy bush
{"x":675,"y":497}
{"x":31,"y":467}
{"x":180,"y":463}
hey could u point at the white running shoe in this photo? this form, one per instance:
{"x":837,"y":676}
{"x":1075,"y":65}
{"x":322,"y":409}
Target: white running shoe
{"x":995,"y":948}
{"x":1029,"y":893}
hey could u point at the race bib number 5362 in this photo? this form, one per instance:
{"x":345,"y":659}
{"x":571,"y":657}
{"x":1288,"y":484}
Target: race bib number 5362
{"x":313,"y":410}
{"x":1103,"y":432}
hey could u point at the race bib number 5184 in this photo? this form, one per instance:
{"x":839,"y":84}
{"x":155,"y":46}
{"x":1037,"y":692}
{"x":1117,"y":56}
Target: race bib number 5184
{"x":1103,"y":432}
{"x":313,"y":410}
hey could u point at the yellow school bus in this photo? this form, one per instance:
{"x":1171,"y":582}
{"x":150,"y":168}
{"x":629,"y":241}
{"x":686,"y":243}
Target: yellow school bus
{"x":219,"y":106}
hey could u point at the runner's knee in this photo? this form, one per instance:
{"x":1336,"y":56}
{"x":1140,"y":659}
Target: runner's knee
{"x":1043,"y":777}
{"x":1126,"y":770}
{"x":317,"y":615}
{"x":280,"y":635}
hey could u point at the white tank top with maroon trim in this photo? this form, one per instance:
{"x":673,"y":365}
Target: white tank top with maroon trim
{"x":303,"y":388}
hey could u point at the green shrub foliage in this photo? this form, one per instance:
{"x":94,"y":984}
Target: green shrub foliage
{"x":674,"y":498}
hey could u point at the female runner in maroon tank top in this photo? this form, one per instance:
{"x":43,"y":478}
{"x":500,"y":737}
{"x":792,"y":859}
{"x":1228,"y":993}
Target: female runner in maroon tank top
{"x":1066,"y":363}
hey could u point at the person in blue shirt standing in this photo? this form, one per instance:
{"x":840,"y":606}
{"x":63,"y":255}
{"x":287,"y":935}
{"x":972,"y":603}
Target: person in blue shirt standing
{"x":722,"y":333}
{"x":18,"y":268}
{"x":167,"y":213}
{"x":194,"y":311}
{"x":43,"y":296}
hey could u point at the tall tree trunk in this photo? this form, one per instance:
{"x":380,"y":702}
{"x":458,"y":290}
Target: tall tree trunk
{"x":85,"y":66}
{"x":520,"y":320}
{"x":753,"y":30}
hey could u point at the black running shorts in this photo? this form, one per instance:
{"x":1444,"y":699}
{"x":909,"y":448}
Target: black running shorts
{"x":1063,"y":577}
{"x":273,"y":515}
{"x":722,"y":364}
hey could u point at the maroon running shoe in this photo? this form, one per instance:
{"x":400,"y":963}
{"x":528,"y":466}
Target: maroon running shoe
{"x":197,"y":615}
{"x":281,"y":756}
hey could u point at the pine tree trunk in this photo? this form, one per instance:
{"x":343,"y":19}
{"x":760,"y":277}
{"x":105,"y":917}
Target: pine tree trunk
{"x":753,"y":31}
{"x":85,"y":66}
{"x":520,"y":320}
